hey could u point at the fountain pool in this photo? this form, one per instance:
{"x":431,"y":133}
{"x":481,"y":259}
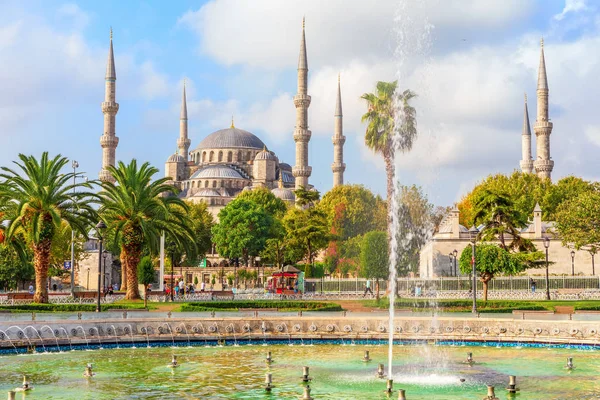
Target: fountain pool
{"x":337,"y":372}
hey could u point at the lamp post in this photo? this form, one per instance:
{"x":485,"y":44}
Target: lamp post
{"x":74,"y":165}
{"x":235,"y":277}
{"x":547,"y":245}
{"x":100,"y":227}
{"x":172,"y":268}
{"x":451,"y":257}
{"x":593,"y":267}
{"x":258,"y":271}
{"x":104,"y":255}
{"x":572,"y":262}
{"x":473,"y":232}
{"x":88,"y":279}
{"x":455,"y":253}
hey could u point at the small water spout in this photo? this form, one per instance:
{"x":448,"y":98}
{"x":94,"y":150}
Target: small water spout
{"x":512,"y":384}
{"x":235,"y":343}
{"x":26,"y":386}
{"x":570,"y":364}
{"x":38,"y":335}
{"x":11,"y":395}
{"x":115,"y":334}
{"x":23,"y":332}
{"x":401,"y":394}
{"x":186,"y":332}
{"x":470,"y":358}
{"x":380,"y":371}
{"x":366,"y":357}
{"x":89,"y":372}
{"x":491,"y":395}
{"x":268,"y":360}
{"x":53,"y":335}
{"x":98,"y":333}
{"x":68,"y":338}
{"x":305,"y":375}
{"x":87,"y":342}
{"x":172,"y":336}
{"x":389,"y":386}
{"x":173,"y":363}
{"x":306,"y":394}
{"x":268,"y":382}
{"x":9,"y":340}
{"x":131,"y":335}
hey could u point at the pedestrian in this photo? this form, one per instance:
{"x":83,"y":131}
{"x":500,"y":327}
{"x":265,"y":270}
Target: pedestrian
{"x":31,"y":291}
{"x":533,"y":284}
{"x":181,"y":287}
{"x":368,"y":288}
{"x":203,"y":286}
{"x":176,"y":289}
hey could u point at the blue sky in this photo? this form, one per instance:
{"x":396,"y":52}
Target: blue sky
{"x":470,"y":61}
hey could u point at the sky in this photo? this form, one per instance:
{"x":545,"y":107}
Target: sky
{"x":469,"y":61}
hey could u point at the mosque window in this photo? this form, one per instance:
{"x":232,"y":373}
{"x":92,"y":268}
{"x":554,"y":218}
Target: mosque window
{"x":214,"y":184}
{"x":203,"y":156}
{"x":249,"y":156}
{"x":220,"y":156}
{"x":229,"y":156}
{"x":240,"y":156}
{"x":205,"y":184}
{"x":211,"y":156}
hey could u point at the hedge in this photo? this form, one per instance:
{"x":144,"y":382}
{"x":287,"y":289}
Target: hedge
{"x":38,"y":307}
{"x":260,"y":304}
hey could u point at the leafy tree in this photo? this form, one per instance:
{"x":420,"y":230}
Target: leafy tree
{"x":201,"y":225}
{"x":146,"y":275}
{"x":275,"y":247}
{"x":491,"y":261}
{"x":415,"y":214}
{"x":578,"y":222}
{"x":13,"y":268}
{"x":266,"y":199}
{"x":381,"y":119}
{"x":374,"y":257}
{"x":41,"y":199}
{"x":501,"y":220}
{"x":350,"y":209}
{"x":61,"y":250}
{"x":243,"y":229}
{"x":306,"y":198}
{"x":140,"y":210}
{"x":565,"y":190}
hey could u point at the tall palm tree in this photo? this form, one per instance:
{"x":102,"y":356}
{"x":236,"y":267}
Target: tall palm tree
{"x":139,"y":210}
{"x":385,"y":109}
{"x":40,"y":200}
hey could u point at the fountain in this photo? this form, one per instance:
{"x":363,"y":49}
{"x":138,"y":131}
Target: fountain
{"x":38,"y":335}
{"x":401,"y":394}
{"x":186,"y":332}
{"x":131,"y":335}
{"x":268,"y":382}
{"x":570,"y":365}
{"x":68,"y":338}
{"x":306,"y":394}
{"x":366,"y":357}
{"x":380,"y":371}
{"x":491,"y":395}
{"x":389,"y":385}
{"x":23,"y":333}
{"x":25,"y":387}
{"x":98,"y":333}
{"x":305,"y":377}
{"x":512,"y":384}
{"x":173,"y":363}
{"x":268,"y":360}
{"x":235,"y":343}
{"x":89,"y":372}
{"x":87,"y":342}
{"x":115,"y":335}
{"x":9,"y":340}
{"x":53,"y":335}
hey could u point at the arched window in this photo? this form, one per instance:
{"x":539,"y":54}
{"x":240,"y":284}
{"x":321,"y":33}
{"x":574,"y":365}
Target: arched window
{"x":229,"y":156}
{"x":240,"y":156}
{"x":205,"y":184}
{"x":203,"y":156}
{"x":211,"y":156}
{"x":249,"y":156}
{"x":214,"y":184}
{"x":220,"y":156}
{"x":222,"y":184}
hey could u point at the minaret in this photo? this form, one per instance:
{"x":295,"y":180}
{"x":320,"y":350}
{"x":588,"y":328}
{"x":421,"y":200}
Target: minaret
{"x":338,"y":167}
{"x":301,"y":170}
{"x":526,"y":160}
{"x":183,"y":144}
{"x":110,"y":107}
{"x":542,"y":127}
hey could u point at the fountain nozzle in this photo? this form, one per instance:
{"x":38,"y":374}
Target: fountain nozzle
{"x":11,"y":395}
{"x":366,"y":357}
{"x":380,"y":371}
{"x":173,"y":363}
{"x":512,"y":384}
{"x":305,"y":377}
{"x":268,"y":382}
{"x":306,"y":394}
{"x":491,"y":395}
{"x":89,"y":372}
{"x":268,"y":360}
{"x":390,"y":383}
{"x":570,"y":363}
{"x":470,"y":358}
{"x":401,"y":394}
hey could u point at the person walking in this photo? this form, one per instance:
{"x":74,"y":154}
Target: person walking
{"x":368,"y":288}
{"x":533,"y":285}
{"x":176,"y":289}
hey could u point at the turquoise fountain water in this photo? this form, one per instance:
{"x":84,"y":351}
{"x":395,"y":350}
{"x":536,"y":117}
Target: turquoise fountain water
{"x":337,"y":372}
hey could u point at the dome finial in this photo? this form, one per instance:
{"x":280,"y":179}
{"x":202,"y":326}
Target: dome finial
{"x":111,"y":35}
{"x":232,"y":125}
{"x":542,"y":42}
{"x":525,"y":97}
{"x":303,"y":21}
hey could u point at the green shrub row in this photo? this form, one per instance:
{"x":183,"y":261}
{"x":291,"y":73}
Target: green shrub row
{"x":260,"y":304}
{"x":68,"y":307}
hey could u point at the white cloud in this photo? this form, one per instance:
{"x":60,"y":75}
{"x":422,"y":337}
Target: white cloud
{"x":571,"y":6}
{"x":592,"y":132}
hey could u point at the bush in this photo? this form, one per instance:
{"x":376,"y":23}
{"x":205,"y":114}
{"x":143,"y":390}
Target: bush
{"x":69,"y":307}
{"x":235,"y":305}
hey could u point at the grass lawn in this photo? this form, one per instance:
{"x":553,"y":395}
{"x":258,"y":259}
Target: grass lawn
{"x":462,"y":305}
{"x":118,"y":305}
{"x":280,"y":305}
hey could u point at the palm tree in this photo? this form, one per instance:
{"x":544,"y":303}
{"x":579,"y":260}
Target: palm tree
{"x":40,"y":200}
{"x":139,"y":210}
{"x":385,"y":106}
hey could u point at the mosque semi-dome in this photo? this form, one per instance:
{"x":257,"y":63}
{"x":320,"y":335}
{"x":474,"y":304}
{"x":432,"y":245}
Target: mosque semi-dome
{"x":207,"y":193}
{"x":231,"y":138}
{"x":265,"y":155}
{"x":284,"y":194}
{"x":217,"y":171}
{"x":175,"y":158}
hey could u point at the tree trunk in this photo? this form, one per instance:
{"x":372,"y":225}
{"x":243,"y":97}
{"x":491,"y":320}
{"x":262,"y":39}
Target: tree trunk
{"x":123,"y":271}
{"x":132,"y":259}
{"x":145,"y":296}
{"x":485,"y":279}
{"x":41,"y":255}
{"x":377,"y":289}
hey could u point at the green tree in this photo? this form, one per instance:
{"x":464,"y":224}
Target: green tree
{"x":266,"y":199}
{"x":201,"y":225}
{"x":139,"y":210}
{"x":578,"y":222}
{"x":13,"y":268}
{"x":374,"y":258}
{"x":501,"y":220}
{"x":146,"y":275}
{"x":243,"y":229}
{"x":352,"y":206}
{"x":41,"y":199}
{"x":381,"y":118}
{"x":491,"y":261}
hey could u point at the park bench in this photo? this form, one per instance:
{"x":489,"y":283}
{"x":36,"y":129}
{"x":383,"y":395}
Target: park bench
{"x":20,"y":296}
{"x":86,"y":295}
{"x":564,"y":309}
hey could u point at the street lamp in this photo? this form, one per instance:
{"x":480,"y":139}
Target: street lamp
{"x":258,"y":271}
{"x":450,"y":256}
{"x":104,"y":254}
{"x":455,"y":253}
{"x":547,"y":245}
{"x":88,"y":279}
{"x":593,"y":267}
{"x":100,"y":227}
{"x":572,"y":262}
{"x":473,"y":232}
{"x":75,"y":165}
{"x":172,"y":268}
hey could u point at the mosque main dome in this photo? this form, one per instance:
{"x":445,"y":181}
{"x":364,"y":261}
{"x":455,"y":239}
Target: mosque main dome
{"x":231,"y":138}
